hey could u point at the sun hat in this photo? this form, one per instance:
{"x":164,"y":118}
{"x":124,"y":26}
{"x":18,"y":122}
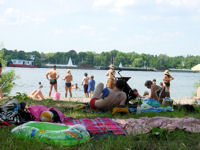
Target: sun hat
{"x":166,"y":72}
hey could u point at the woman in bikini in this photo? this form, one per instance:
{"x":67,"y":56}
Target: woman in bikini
{"x":167,"y":78}
{"x":68,"y":86}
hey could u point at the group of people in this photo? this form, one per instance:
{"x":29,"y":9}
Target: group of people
{"x":52,"y":75}
{"x":113,"y":95}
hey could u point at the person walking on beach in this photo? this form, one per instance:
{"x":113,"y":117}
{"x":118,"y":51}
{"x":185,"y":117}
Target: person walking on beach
{"x":85,"y":84}
{"x":91,"y":86}
{"x":167,"y":78}
{"x":68,"y":85}
{"x":1,"y":96}
{"x":111,"y":77}
{"x":53,"y":74}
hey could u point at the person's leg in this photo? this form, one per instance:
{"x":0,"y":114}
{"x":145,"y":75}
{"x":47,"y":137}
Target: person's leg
{"x":41,"y":95}
{"x":98,"y":90}
{"x":32,"y":93}
{"x":50,"y":89}
{"x":55,"y":87}
{"x":66,"y":89}
{"x":70,"y":91}
{"x":1,"y":96}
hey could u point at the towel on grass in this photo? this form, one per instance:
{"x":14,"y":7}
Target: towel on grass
{"x":97,"y":125}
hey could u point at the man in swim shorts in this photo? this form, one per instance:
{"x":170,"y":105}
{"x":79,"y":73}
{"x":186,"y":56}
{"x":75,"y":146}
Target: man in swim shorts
{"x":53,"y":74}
{"x":106,"y":98}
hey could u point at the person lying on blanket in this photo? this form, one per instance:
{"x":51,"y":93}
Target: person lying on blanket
{"x":106,"y":99}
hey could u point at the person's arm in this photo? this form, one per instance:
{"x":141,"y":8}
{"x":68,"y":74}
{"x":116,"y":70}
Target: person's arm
{"x":72,"y":77}
{"x":57,"y":74}
{"x":82,"y":81}
{"x":171,"y":78}
{"x":108,"y":72}
{"x":64,"y":77}
{"x":47,"y":75}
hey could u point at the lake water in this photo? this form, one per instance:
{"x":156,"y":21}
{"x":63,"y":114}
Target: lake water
{"x":29,"y":77}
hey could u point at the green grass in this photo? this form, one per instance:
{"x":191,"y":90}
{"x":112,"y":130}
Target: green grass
{"x":175,"y":140}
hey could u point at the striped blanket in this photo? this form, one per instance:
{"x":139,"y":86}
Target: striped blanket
{"x":97,"y":125}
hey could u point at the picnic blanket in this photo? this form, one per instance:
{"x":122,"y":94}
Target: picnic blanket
{"x":145,"y":124}
{"x":97,"y":125}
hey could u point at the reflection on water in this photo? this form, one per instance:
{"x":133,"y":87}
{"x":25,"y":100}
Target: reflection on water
{"x":29,"y":77}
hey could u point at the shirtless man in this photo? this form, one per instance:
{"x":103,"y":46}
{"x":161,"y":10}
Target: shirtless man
{"x":106,"y":99}
{"x":111,"y":77}
{"x":154,"y":89}
{"x":53,"y":74}
{"x":85,"y":83}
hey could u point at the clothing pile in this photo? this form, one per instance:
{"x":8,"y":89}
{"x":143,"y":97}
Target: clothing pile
{"x":13,"y":112}
{"x":151,"y":105}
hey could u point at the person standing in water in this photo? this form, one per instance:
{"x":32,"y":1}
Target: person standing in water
{"x":85,"y":83}
{"x":53,"y":74}
{"x":167,"y":78}
{"x":68,"y":85}
{"x":91,"y":86}
{"x":111,"y":77}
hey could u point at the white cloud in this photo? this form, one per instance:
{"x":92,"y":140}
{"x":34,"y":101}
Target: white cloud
{"x":17,"y":17}
{"x":178,"y":3}
{"x":1,"y":2}
{"x":116,"y":6}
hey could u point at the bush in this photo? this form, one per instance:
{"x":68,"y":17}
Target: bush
{"x":6,"y":82}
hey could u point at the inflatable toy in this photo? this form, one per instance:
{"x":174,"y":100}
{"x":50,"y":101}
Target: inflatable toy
{"x":53,"y":133}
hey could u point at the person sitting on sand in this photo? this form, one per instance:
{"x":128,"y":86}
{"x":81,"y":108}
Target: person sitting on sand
{"x":154,"y":89}
{"x":167,"y":78}
{"x":68,"y":85}
{"x":37,"y":94}
{"x":53,"y":79}
{"x":111,"y":77}
{"x":85,"y":83}
{"x":106,"y":98}
{"x":145,"y":95}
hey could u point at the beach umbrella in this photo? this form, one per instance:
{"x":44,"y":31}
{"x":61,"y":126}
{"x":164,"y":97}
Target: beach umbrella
{"x":196,"y":68}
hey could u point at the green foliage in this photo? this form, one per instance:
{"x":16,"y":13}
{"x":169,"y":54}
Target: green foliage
{"x":6,"y":82}
{"x":115,"y":57}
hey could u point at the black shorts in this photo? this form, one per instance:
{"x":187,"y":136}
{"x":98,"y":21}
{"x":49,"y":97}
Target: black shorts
{"x":53,"y":81}
{"x":167,"y":84}
{"x":68,"y":84}
{"x":85,"y":86}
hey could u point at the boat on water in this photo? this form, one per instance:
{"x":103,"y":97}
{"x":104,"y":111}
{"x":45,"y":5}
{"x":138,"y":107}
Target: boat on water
{"x":22,"y":63}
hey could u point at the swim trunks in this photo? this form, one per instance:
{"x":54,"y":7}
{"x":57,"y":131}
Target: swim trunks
{"x":92,"y":103}
{"x":68,"y":84}
{"x":167,"y":84}
{"x":85,"y":86}
{"x":53,"y":81}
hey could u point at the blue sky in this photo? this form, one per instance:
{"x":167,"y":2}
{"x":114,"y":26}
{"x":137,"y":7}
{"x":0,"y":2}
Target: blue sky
{"x":169,"y":27}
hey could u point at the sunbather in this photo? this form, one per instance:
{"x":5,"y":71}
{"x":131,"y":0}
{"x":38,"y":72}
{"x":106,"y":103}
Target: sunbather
{"x":37,"y":94}
{"x":107,"y":99}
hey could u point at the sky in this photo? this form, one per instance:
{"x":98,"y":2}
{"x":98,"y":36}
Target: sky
{"x":170,"y":27}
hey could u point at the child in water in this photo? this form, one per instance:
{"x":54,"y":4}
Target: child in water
{"x":91,"y":86}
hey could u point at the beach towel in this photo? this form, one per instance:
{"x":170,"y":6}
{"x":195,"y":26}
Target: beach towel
{"x":97,"y":125}
{"x":145,"y":124}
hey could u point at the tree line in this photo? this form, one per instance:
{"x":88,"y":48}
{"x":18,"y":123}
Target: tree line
{"x":128,"y":59}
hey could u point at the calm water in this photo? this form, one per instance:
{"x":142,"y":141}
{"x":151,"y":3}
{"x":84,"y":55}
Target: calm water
{"x":29,"y":77}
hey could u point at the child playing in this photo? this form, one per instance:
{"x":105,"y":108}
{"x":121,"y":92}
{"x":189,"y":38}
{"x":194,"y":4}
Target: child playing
{"x":91,"y":86}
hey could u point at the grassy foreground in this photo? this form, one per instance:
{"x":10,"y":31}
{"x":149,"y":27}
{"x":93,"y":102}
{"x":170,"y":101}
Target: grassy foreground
{"x":175,"y":140}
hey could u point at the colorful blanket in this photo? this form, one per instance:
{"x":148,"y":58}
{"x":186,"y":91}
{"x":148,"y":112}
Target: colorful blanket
{"x":145,"y":124}
{"x":97,"y":125}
